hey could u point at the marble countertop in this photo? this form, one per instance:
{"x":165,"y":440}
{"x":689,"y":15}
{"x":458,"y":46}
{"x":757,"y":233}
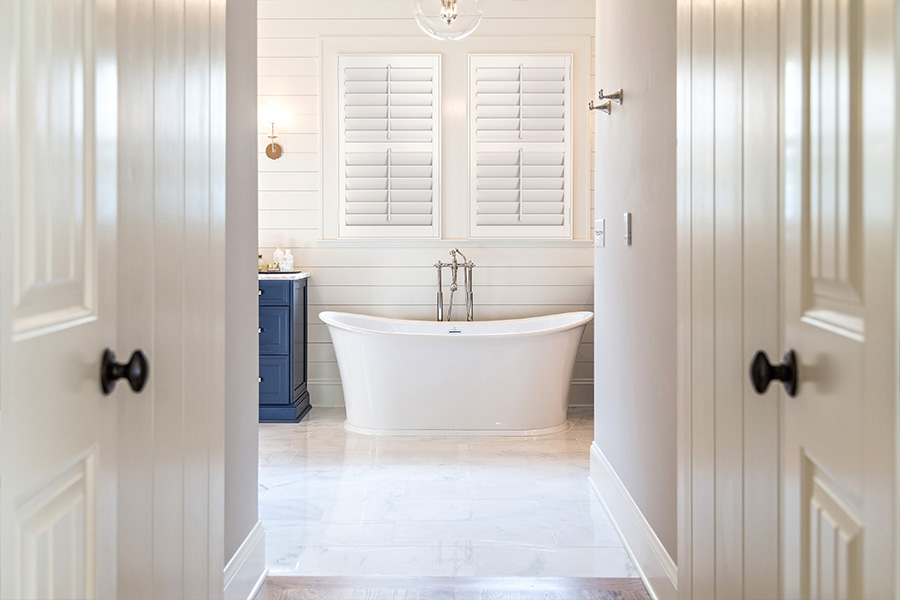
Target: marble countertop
{"x":275,"y":276}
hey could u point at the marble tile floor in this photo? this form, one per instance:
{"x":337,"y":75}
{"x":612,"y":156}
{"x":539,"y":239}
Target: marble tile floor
{"x":335,"y":503}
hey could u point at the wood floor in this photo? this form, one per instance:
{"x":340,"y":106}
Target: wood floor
{"x":456,"y":588}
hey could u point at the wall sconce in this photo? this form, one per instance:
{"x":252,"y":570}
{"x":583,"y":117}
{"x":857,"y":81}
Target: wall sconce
{"x":274,"y":149}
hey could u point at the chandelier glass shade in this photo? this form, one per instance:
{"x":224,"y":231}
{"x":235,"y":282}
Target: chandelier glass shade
{"x":448,"y":19}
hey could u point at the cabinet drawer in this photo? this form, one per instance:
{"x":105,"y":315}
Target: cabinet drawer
{"x":275,"y":380}
{"x":274,"y":329}
{"x":275,"y":292}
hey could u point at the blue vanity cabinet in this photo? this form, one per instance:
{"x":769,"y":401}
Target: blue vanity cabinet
{"x":283,"y":397}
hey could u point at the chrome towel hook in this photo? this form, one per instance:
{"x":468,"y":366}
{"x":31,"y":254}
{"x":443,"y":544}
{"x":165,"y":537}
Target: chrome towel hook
{"x":615,"y":96}
{"x":605,"y":106}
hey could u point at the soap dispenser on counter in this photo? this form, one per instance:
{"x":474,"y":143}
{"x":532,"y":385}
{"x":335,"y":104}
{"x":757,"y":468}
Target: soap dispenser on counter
{"x":277,"y":257}
{"x":288,"y":261}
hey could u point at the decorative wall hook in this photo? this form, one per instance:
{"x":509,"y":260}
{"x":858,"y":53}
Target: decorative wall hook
{"x":615,"y":96}
{"x":274,"y":149}
{"x":605,"y":106}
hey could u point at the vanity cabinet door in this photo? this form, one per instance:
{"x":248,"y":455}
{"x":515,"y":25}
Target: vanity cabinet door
{"x":275,"y":330}
{"x":275,"y":379}
{"x":275,"y":292}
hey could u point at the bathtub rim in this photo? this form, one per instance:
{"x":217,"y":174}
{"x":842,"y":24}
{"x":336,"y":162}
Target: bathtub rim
{"x":586,"y":317}
{"x":457,"y":433}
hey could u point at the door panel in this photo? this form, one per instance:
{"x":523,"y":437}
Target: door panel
{"x":831,"y":295}
{"x":834,"y":544}
{"x":55,"y":282}
{"x":840,"y":236}
{"x":58,"y":218}
{"x":833,"y":277}
{"x":827,"y":293}
{"x":57,"y":529}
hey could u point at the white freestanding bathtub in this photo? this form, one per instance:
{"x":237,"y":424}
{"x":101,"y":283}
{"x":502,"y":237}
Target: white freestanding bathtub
{"x":456,"y":378}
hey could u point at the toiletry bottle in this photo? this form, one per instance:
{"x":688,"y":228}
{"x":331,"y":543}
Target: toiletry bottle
{"x":288,"y":261}
{"x":262,"y":265}
{"x":277,"y":257}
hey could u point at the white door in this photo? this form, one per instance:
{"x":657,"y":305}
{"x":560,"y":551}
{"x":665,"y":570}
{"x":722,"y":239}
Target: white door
{"x":58,"y":182}
{"x":112,"y":158}
{"x":788,"y":237}
{"x":839,"y":285}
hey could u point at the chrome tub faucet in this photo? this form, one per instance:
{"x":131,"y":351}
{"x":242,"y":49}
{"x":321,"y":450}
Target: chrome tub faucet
{"x":455,"y":265}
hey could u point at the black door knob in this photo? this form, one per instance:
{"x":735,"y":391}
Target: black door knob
{"x":136,"y":371}
{"x":762,"y":372}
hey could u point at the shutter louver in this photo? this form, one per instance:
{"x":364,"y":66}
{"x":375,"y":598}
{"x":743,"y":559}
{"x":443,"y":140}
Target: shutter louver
{"x":520,"y":146}
{"x":389,"y":141}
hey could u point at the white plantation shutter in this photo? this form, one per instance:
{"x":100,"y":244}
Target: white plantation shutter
{"x":520,"y":146}
{"x":389,"y":117}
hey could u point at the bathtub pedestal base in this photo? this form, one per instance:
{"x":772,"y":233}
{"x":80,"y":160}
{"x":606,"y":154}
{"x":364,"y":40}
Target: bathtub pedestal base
{"x":457,"y":432}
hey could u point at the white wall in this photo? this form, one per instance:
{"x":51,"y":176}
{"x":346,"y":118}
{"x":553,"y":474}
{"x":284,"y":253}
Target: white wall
{"x":241,"y":310}
{"x":396,"y":279}
{"x":635,"y":371}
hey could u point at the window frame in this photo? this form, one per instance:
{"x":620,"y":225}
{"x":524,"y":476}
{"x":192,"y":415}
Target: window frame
{"x":521,"y":231}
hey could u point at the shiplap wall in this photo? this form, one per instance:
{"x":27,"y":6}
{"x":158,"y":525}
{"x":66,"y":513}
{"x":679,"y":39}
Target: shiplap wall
{"x":395,"y":278}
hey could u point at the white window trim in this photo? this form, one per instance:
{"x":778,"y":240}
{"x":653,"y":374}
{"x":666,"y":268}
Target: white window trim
{"x":454,"y":207}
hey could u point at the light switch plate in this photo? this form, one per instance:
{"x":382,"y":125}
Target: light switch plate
{"x":600,"y":233}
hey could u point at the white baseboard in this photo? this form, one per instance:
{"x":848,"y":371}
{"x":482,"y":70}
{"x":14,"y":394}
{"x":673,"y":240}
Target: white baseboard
{"x":653,"y":563}
{"x":246,"y":571}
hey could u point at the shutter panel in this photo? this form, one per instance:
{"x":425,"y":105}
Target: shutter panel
{"x":520,"y":146}
{"x":389,"y":145}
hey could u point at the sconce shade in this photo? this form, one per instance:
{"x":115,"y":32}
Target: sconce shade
{"x":448,"y":19}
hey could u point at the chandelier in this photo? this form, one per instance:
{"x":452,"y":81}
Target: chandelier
{"x":448,"y":19}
